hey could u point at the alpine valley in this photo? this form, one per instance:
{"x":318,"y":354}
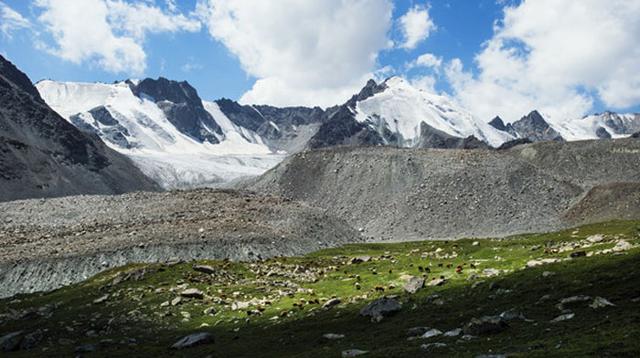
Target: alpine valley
{"x":182,"y":141}
{"x":138,"y":219}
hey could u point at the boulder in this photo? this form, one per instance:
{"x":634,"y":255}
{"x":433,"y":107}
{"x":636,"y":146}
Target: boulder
{"x":204,"y":269}
{"x":11,"y":342}
{"x":414,"y":284}
{"x":485,"y":325}
{"x":332,"y":302}
{"x":349,"y":353}
{"x":192,"y":293}
{"x":193,"y":340}
{"x":381,"y":308}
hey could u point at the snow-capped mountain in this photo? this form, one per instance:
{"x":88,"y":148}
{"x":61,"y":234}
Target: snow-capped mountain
{"x":170,"y":133}
{"x":599,"y":126}
{"x":398,"y":114}
{"x":404,"y":110}
{"x":179,"y":140}
{"x":535,"y":127}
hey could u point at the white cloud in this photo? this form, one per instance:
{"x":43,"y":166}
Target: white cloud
{"x":416,"y":25}
{"x":427,"y":60}
{"x":11,"y":20}
{"x":137,"y":19}
{"x":109,"y":33}
{"x":558,"y":56}
{"x":312,"y":52}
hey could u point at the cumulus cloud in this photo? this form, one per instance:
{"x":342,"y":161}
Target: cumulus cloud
{"x":559,"y":56}
{"x":109,"y":33}
{"x":426,"y":60}
{"x":416,"y":25}
{"x":312,"y":52}
{"x":11,"y":20}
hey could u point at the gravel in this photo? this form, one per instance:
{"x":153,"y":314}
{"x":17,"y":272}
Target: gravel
{"x":48,"y":243}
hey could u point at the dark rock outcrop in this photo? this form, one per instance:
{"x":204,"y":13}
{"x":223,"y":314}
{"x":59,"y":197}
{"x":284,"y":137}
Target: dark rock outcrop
{"x":183,"y":107}
{"x":534,"y":127}
{"x":282,"y":128}
{"x":43,"y":155}
{"x":434,"y":138}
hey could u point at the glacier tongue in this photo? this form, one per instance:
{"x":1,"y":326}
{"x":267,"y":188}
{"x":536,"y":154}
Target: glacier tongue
{"x":138,"y":128}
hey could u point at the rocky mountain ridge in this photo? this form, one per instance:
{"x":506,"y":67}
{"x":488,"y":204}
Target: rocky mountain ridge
{"x":42,"y":155}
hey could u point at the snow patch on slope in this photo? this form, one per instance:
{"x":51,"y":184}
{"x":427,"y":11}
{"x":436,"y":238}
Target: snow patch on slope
{"x":402,"y":108}
{"x":586,"y":128}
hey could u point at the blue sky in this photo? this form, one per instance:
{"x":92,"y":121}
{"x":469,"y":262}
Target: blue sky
{"x":210,"y":59}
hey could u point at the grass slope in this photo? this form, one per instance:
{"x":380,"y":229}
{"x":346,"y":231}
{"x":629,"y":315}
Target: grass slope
{"x":286,"y":318}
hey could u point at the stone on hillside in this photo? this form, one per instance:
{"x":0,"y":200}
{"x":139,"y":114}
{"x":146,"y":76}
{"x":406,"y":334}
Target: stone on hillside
{"x":414,"y":284}
{"x":595,"y":238}
{"x":430,"y":346}
{"x":381,"y":308}
{"x":204,"y":269}
{"x":569,"y":301}
{"x":563,"y":317}
{"x":176,"y":301}
{"x":349,"y":353}
{"x":192,"y":340}
{"x":622,"y":245}
{"x":485,"y":325}
{"x":431,"y":333}
{"x":11,"y":342}
{"x":332,"y":302}
{"x":360,"y":259}
{"x":534,"y":263}
{"x":490,"y":272}
{"x":209,"y":311}
{"x":577,"y":254}
{"x":332,"y":336}
{"x":548,"y":273}
{"x":453,"y":333}
{"x":101,"y":299}
{"x":192,"y":293}
{"x":600,"y":302}
{"x":512,"y":314}
{"x":437,"y":282}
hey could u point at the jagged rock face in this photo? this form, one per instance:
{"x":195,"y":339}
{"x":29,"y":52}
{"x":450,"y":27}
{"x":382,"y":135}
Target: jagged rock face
{"x":498,"y":124}
{"x":534,"y":128}
{"x":622,"y":124}
{"x":42,"y":155}
{"x":602,"y":133}
{"x":110,"y":128}
{"x":433,"y":138}
{"x":182,"y":106}
{"x":343,"y":129}
{"x":279,"y":127}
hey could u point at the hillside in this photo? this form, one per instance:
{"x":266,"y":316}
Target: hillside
{"x":413,"y":194}
{"x":41,"y":155}
{"x":570,"y":293}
